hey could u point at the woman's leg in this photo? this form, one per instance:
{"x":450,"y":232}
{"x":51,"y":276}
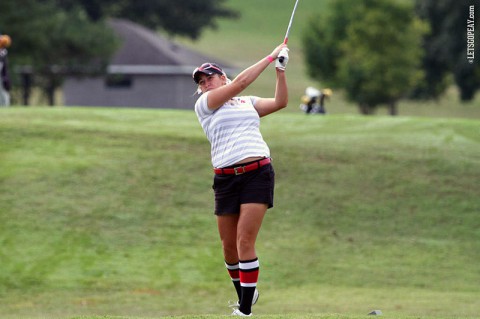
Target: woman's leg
{"x":249,"y":223}
{"x":227,"y":228}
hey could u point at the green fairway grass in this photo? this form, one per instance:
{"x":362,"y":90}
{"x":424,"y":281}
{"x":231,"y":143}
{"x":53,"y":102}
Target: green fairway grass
{"x":107,"y":212}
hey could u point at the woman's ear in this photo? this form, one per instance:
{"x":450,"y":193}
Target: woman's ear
{"x":224,"y":79}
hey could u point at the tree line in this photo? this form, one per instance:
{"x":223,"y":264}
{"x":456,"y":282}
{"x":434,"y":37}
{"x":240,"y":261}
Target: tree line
{"x":54,"y":38}
{"x":381,"y":51}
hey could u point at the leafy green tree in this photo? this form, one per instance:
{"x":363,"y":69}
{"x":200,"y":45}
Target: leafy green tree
{"x":446,"y":48}
{"x":371,"y":48}
{"x":44,"y":36}
{"x":54,"y":42}
{"x":185,"y":18}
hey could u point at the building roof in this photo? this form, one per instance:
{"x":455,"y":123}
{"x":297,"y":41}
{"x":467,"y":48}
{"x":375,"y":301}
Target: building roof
{"x":146,"y":52}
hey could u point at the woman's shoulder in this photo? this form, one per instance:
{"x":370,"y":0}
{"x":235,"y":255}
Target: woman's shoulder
{"x":201,"y":105}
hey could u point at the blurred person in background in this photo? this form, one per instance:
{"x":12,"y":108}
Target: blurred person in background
{"x":5,"y":85}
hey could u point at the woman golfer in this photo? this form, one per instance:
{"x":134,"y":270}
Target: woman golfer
{"x":244,"y":177}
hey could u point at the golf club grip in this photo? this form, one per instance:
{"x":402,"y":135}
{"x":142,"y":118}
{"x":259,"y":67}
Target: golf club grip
{"x":284,"y":42}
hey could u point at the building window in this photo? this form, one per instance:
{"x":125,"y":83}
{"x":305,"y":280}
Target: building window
{"x":118,"y":81}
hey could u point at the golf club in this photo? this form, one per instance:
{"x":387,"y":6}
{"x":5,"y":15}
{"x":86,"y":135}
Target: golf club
{"x":289,"y":26}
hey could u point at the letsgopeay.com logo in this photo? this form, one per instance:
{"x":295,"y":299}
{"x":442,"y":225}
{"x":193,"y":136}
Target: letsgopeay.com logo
{"x":471,"y":34}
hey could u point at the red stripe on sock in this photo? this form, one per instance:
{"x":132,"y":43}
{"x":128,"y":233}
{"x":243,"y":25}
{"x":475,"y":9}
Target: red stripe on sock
{"x":234,"y":274}
{"x":249,"y":277}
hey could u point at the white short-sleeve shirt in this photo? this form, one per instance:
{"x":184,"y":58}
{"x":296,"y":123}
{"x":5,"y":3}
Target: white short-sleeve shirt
{"x":233,"y":130}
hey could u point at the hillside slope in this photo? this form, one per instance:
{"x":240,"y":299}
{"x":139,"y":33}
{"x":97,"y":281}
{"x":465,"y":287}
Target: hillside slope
{"x":107,"y":211}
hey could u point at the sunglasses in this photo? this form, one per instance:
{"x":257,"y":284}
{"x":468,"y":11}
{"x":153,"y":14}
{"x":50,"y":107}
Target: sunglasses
{"x":207,"y":67}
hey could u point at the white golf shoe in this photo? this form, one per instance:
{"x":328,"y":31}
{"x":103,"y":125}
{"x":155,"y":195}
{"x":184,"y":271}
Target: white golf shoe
{"x":237,"y":312}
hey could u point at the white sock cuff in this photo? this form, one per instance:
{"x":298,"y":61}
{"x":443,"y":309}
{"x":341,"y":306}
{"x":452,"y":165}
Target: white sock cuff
{"x":251,"y":264}
{"x":232,"y":267}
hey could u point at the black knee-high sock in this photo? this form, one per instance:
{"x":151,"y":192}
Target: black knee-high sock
{"x":249,"y":270}
{"x":233,"y":271}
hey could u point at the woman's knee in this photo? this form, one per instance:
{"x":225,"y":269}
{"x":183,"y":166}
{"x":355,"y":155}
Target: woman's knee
{"x":229,"y":247}
{"x":245,"y":242}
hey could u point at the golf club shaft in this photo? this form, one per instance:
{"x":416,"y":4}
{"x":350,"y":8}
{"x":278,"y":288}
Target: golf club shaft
{"x":285,"y":41}
{"x":290,"y":23}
